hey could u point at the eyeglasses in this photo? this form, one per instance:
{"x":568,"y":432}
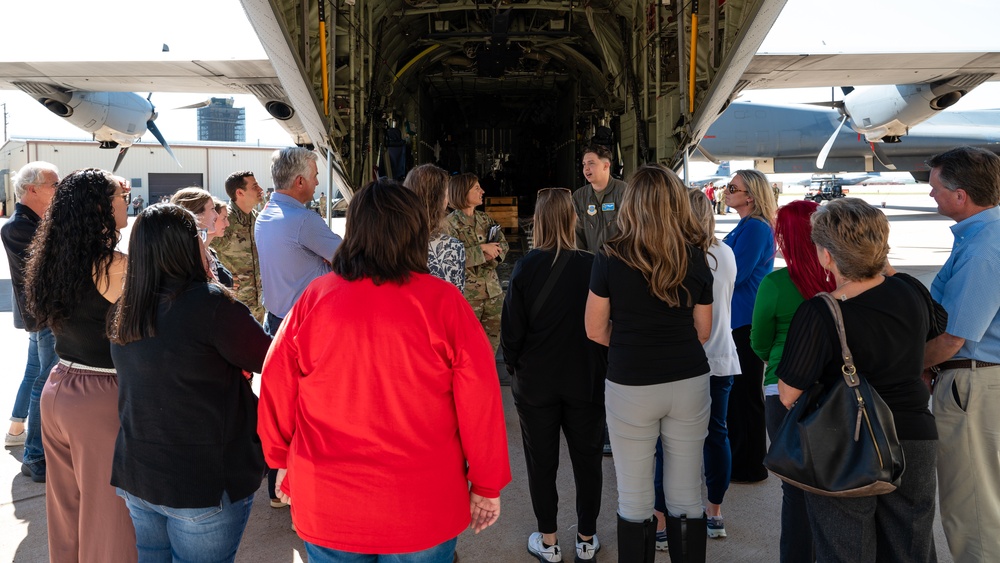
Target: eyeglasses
{"x":124,"y":196}
{"x":731,"y":188}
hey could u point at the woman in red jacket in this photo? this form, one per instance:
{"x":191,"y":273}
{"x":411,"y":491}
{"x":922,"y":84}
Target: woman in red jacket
{"x":380,"y":400}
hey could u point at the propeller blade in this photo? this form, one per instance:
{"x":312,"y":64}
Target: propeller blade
{"x":881,"y":156}
{"x":121,"y":157}
{"x":159,"y":137}
{"x":821,"y":159}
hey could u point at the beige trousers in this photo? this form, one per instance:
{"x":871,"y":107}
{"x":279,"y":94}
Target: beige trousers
{"x":966,"y":403}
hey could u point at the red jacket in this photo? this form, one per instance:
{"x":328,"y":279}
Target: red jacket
{"x":383,"y":403}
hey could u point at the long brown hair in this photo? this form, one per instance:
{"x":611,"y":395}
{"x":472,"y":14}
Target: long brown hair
{"x":430,"y":183}
{"x":555,"y":220}
{"x":655,"y":226}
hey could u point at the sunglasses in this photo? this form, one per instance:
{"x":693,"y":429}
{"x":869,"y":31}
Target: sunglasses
{"x":731,"y":188}
{"x":567,"y":190}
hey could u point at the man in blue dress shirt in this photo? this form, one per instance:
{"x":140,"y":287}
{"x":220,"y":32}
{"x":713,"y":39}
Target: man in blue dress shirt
{"x":965,"y":183}
{"x":294,"y":244}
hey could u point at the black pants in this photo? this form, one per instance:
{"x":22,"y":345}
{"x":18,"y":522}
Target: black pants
{"x":891,"y":528}
{"x":745,"y":419}
{"x":582,"y":423}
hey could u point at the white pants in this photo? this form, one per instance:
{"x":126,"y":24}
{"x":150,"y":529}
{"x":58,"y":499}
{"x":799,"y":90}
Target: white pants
{"x":675,"y":412}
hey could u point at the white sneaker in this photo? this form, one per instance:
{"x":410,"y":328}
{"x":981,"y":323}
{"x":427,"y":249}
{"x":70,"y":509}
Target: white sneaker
{"x":716,"y":527}
{"x":587,"y":551}
{"x":13,"y":440}
{"x":661,"y":540}
{"x":544,"y":554}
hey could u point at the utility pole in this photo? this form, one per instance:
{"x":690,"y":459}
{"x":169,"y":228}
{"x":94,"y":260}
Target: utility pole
{"x":4,"y":122}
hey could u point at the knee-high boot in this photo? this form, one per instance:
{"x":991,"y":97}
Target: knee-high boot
{"x":686,"y":538}
{"x":636,"y":541}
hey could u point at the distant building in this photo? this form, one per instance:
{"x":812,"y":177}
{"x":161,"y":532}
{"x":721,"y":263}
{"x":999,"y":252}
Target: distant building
{"x":147,"y":165}
{"x":220,"y":121}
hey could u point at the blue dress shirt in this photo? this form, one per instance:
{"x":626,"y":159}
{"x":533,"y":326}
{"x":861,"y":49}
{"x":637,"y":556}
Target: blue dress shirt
{"x":967,"y":286}
{"x":295,"y":246}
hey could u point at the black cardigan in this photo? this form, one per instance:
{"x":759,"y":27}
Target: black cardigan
{"x":552,"y":354}
{"x":188,"y":415}
{"x":17,"y":233}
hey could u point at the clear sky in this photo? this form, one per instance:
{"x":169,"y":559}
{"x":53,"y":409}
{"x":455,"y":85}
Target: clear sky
{"x":218,"y":29}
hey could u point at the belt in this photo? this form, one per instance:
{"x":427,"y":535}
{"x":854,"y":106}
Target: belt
{"x":964,"y":364}
{"x":77,"y":365}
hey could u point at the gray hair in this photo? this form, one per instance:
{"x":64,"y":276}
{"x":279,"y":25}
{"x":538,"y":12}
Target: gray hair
{"x":288,"y":163}
{"x":31,"y":174}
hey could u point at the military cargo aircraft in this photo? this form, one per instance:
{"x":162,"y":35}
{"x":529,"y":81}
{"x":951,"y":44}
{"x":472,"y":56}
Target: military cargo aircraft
{"x":513,"y":89}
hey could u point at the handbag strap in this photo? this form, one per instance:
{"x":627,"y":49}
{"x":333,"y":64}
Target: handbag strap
{"x":550,"y":282}
{"x":849,"y":370}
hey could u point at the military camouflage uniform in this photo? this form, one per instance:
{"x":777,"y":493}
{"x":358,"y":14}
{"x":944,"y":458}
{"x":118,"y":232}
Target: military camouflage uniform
{"x":238,"y":252}
{"x":482,"y":286}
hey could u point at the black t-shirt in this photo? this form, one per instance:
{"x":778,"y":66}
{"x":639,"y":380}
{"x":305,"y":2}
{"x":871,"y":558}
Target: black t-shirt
{"x":887,"y":327}
{"x":652,"y":342}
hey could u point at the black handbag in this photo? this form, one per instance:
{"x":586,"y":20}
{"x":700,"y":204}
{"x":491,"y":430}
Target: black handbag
{"x":839,"y":438}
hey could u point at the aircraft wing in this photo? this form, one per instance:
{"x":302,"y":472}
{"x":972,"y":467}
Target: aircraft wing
{"x":767,"y":70}
{"x":232,"y":76}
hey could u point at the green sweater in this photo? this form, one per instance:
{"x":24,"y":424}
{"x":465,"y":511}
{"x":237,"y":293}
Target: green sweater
{"x":777,"y":301}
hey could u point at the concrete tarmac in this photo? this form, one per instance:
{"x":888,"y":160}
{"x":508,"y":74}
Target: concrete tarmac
{"x":920,"y":241}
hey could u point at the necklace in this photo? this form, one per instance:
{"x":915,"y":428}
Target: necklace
{"x":843,"y":296}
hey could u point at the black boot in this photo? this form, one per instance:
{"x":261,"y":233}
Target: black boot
{"x":686,"y":538}
{"x":636,"y":541}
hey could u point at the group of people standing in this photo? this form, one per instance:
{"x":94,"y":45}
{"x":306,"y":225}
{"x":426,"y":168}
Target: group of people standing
{"x":628,"y":312}
{"x":690,"y":326}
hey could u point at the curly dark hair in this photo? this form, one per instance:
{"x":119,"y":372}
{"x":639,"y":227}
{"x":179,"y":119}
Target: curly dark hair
{"x":76,"y":239}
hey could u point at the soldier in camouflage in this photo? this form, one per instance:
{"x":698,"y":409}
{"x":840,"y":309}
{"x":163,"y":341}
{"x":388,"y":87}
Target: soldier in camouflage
{"x":237,"y":249}
{"x":482,"y":255}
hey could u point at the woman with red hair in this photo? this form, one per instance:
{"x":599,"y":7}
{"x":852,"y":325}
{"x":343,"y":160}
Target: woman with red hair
{"x":780,"y":294}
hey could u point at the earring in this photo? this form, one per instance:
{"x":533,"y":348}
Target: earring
{"x":828,"y":275}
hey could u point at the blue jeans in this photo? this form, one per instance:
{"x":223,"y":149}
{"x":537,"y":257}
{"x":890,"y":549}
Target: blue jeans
{"x":196,"y":535}
{"x":718,"y":456}
{"x":441,"y":553}
{"x":272,"y":323}
{"x":41,"y":358}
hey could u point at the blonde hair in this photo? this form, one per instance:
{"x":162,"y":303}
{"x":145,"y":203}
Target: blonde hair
{"x":555,"y":220}
{"x":855,"y":234}
{"x":655,"y":226}
{"x":193,"y":199}
{"x":764,"y":206}
{"x":701,"y":209}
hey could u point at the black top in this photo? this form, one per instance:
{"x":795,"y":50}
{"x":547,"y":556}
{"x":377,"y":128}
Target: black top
{"x":83,"y":337}
{"x":652,"y":342}
{"x":886,"y":328}
{"x":17,"y":233}
{"x":552,"y":354}
{"x":188,"y":415}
